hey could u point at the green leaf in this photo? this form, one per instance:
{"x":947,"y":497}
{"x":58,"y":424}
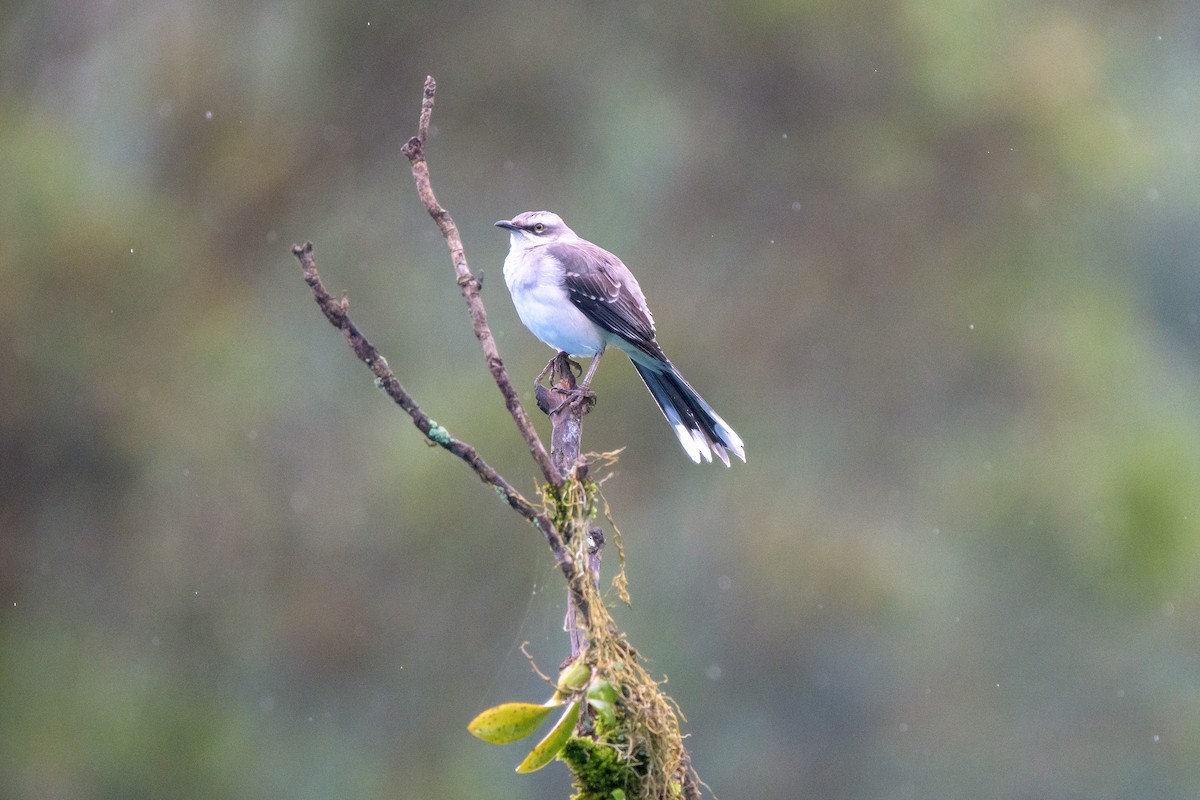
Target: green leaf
{"x":602,"y":690}
{"x":604,"y":711}
{"x":554,"y":742}
{"x":510,"y":722}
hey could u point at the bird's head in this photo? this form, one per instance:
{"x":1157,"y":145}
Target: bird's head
{"x":536,"y":227}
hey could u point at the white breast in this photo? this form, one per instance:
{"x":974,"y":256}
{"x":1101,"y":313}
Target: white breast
{"x":543,"y":305}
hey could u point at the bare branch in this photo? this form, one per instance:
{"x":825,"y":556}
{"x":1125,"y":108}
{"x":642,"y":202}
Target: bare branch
{"x":414,"y":151}
{"x":336,"y":311}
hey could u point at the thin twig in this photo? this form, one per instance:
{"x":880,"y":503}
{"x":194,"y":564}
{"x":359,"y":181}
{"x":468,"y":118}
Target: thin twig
{"x":336,"y":311}
{"x":414,"y":151}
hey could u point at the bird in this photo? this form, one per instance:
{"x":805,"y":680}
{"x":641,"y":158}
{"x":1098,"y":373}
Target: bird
{"x":581,"y":299}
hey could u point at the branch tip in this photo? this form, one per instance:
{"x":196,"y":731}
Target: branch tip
{"x":426,"y":108}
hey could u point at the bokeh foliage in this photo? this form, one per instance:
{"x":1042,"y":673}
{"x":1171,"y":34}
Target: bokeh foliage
{"x":937,"y":262}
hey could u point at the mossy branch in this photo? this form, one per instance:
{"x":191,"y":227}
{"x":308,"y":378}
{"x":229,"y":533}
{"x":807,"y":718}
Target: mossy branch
{"x":627,"y":743}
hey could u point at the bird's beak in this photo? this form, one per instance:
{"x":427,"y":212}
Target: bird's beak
{"x":507,"y":224}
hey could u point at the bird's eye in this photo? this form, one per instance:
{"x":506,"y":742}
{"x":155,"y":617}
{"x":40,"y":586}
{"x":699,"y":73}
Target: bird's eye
{"x":538,"y":227}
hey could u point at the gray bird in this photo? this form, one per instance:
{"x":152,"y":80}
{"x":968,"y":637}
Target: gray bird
{"x":579,"y":298}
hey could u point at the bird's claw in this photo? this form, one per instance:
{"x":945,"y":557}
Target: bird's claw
{"x":576,"y":395}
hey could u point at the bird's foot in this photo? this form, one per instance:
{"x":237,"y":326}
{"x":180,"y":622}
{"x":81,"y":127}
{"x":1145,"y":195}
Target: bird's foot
{"x":573,"y":396}
{"x":537,"y":382}
{"x":574,"y":366}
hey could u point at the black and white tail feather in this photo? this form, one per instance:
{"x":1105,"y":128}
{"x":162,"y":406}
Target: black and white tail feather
{"x":700,"y":430}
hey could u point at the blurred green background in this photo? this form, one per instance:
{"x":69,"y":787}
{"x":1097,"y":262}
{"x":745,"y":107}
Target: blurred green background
{"x":938,"y":263}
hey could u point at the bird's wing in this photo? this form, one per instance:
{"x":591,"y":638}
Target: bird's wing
{"x":604,"y":289}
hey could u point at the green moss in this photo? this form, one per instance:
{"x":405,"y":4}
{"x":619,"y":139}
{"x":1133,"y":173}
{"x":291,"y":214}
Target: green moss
{"x":574,"y":505}
{"x":600,"y":772}
{"x":635,"y":749}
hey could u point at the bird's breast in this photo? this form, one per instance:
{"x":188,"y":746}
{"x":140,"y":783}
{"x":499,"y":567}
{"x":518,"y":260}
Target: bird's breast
{"x":544,"y":307}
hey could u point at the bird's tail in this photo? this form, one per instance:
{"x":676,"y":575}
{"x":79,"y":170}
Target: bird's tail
{"x":700,"y":430}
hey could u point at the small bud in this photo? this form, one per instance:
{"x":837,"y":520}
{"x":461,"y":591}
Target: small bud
{"x":575,"y":676}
